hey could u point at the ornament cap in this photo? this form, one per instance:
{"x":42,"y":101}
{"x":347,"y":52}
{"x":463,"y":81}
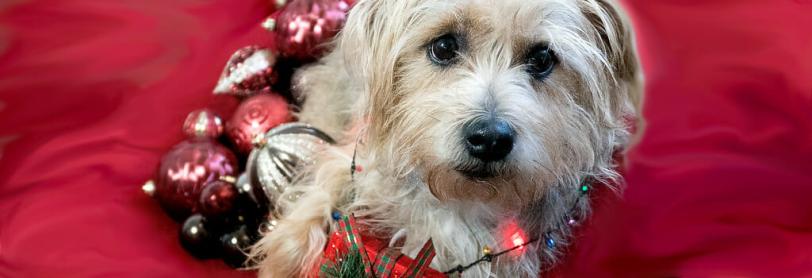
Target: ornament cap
{"x":259,"y":141}
{"x":280,"y":3}
{"x":228,"y":179}
{"x":269,"y":24}
{"x":149,"y":188}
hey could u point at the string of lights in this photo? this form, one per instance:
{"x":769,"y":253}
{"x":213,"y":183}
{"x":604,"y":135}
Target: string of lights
{"x":488,"y":256}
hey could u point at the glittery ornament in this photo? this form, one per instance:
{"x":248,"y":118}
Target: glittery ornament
{"x":203,"y":123}
{"x":249,"y":71}
{"x":254,"y":117}
{"x":303,"y":27}
{"x":218,"y":198}
{"x":185,"y":169}
{"x":196,"y":238}
{"x":272,"y":167}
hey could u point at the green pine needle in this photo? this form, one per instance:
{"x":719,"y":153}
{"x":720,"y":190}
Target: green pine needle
{"x":349,"y":266}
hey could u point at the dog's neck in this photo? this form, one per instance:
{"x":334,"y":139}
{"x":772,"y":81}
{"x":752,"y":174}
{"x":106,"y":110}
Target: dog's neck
{"x":459,"y":229}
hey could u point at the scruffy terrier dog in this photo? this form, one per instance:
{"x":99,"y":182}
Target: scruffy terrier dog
{"x":468,"y":117}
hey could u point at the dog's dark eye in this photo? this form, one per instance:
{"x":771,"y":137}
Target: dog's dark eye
{"x":443,"y":49}
{"x":541,"y":61}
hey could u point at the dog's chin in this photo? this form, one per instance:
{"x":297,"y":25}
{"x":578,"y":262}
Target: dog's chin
{"x":481,"y":171}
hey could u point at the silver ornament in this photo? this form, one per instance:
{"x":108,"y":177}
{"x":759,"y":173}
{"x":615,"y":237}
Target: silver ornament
{"x":277,"y":160}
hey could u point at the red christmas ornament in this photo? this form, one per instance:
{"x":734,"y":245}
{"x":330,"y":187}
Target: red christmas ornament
{"x":218,"y":198}
{"x":255,"y":116}
{"x":203,"y":123}
{"x":249,"y":71}
{"x":304,"y":26}
{"x":185,"y":169}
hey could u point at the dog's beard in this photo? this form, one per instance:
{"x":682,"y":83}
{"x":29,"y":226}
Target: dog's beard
{"x":504,"y":187}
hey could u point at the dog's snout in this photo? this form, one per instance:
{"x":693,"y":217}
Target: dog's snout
{"x":489,"y":139}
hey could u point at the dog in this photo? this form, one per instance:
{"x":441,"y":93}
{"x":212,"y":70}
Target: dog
{"x":467,"y":119}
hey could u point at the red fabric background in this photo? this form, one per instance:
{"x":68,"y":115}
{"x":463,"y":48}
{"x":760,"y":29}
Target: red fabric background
{"x":92,"y":93}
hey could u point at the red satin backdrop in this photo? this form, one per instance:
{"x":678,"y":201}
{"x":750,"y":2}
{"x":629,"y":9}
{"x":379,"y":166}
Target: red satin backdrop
{"x":93,"y":92}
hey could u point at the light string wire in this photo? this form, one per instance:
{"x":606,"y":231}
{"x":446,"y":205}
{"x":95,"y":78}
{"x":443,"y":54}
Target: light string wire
{"x":584,"y":188}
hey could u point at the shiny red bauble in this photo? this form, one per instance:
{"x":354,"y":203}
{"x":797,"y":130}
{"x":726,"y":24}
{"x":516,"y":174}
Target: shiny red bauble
{"x":303,"y":27}
{"x":203,"y":123}
{"x":218,"y":198}
{"x":254,"y":117}
{"x":185,"y":169}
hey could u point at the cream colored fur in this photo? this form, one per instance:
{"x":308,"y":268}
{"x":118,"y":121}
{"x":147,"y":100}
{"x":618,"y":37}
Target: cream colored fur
{"x":379,"y":89}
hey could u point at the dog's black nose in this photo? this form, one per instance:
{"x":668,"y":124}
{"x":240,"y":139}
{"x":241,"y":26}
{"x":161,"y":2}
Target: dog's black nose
{"x":489,"y":139}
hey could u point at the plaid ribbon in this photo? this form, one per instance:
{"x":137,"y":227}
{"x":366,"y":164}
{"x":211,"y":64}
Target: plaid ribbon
{"x":352,"y":239}
{"x":388,"y":262}
{"x":422,"y":261}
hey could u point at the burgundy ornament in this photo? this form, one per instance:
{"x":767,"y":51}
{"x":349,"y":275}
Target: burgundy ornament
{"x":235,"y":245}
{"x":185,"y":169}
{"x":255,"y":116}
{"x":218,"y":198}
{"x":304,"y":26}
{"x":196,"y":237}
{"x":203,"y":123}
{"x":249,"y":71}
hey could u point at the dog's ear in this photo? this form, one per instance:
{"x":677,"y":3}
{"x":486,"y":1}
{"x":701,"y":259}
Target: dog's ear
{"x":370,"y":46}
{"x":617,"y":42}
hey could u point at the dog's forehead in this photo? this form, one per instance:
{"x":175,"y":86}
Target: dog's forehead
{"x":510,"y":20}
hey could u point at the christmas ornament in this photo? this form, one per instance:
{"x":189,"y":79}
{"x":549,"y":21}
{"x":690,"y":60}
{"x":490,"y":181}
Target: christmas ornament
{"x":255,"y":116}
{"x":246,"y":190}
{"x":196,"y":238}
{"x":279,"y":156}
{"x":218,"y":198}
{"x":303,"y":27}
{"x":235,"y":244}
{"x":249,"y":71}
{"x":185,"y":169}
{"x":203,"y":123}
